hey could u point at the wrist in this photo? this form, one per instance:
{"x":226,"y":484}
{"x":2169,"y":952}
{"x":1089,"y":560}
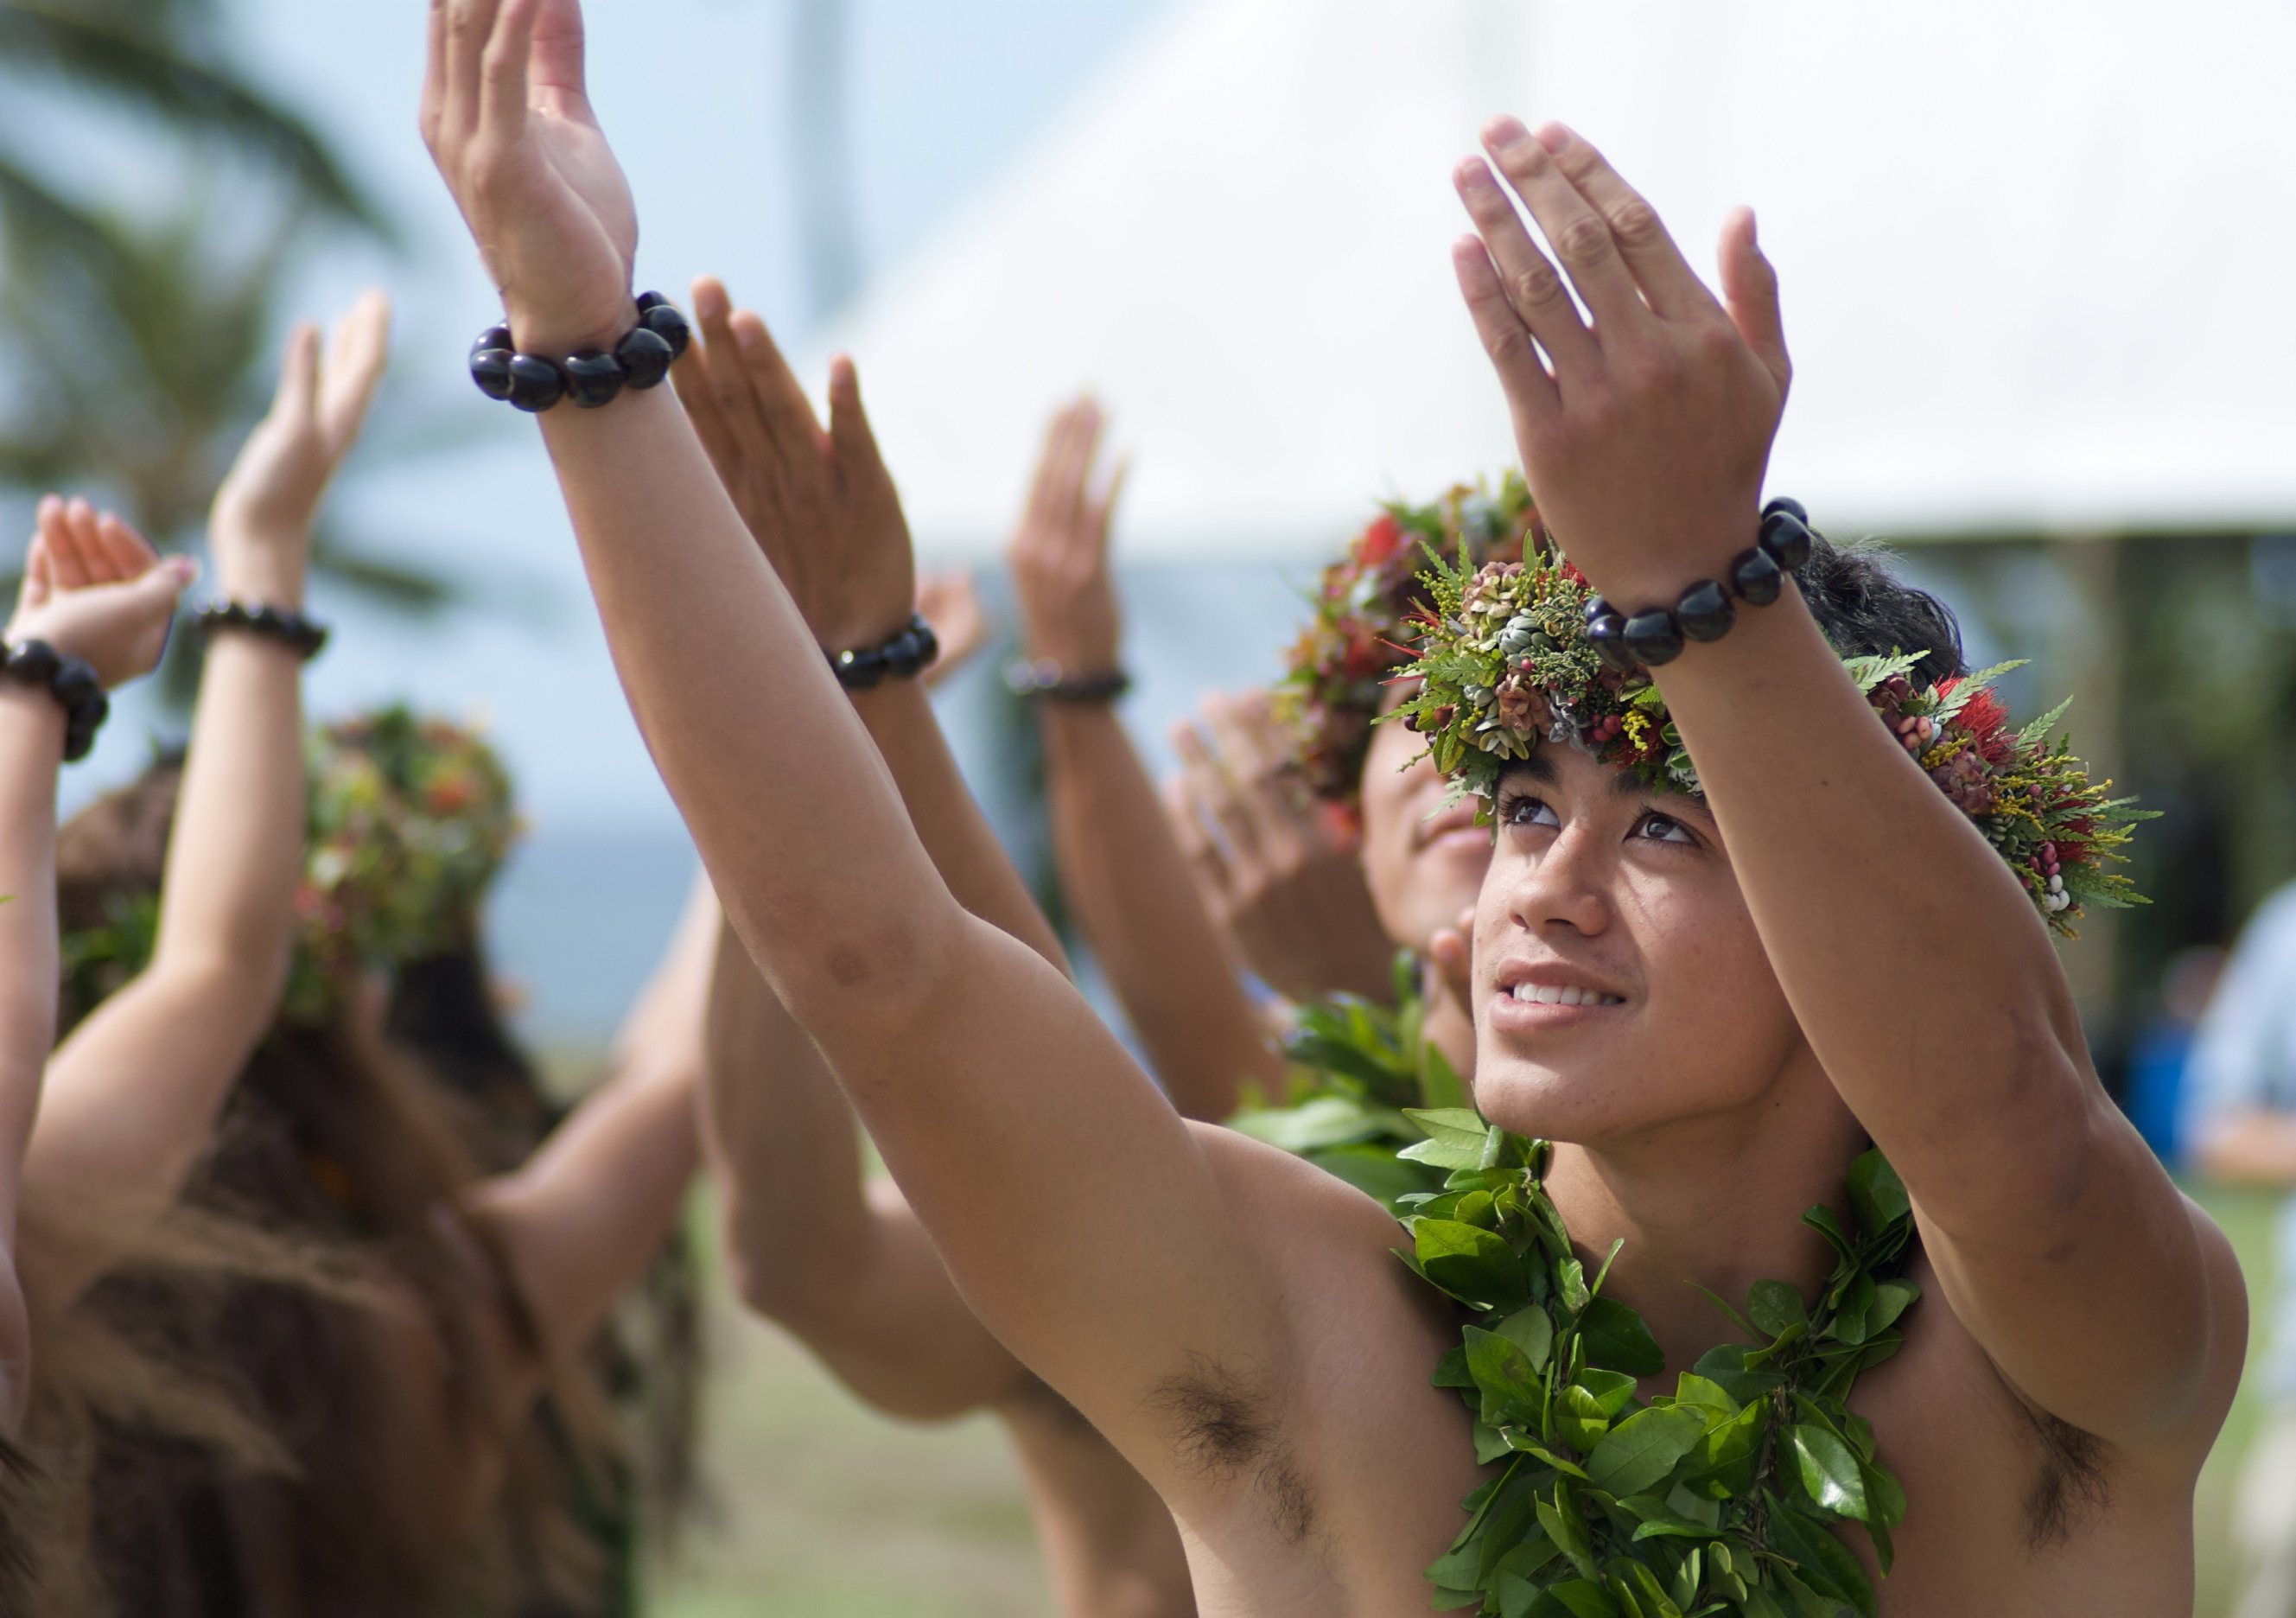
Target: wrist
{"x":259,"y":573}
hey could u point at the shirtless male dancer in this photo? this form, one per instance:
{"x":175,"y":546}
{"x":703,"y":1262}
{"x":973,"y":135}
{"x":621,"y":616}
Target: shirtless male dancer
{"x":1818,"y":950}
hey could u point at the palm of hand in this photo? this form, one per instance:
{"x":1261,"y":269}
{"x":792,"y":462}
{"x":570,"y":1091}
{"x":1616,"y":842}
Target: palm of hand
{"x":510,"y":125}
{"x":575,"y":223}
{"x":119,"y":628}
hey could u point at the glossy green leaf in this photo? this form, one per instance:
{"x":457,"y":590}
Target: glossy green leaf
{"x":1580,"y":1419}
{"x":1823,"y":1562}
{"x":1617,"y":1340}
{"x":1829,"y":1472}
{"x":1472,"y":1265}
{"x":1513,"y":1393}
{"x":1643,"y":1448}
{"x":1613,"y":1391}
{"x":1877,"y":1196}
{"x":1532,"y":1331}
{"x":1692,"y":1389}
{"x":1585,"y":1599}
{"x":1891,"y":1299}
{"x":1775,"y":1307}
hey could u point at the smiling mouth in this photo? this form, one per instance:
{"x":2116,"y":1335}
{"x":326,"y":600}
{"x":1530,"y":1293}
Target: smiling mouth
{"x":1550,"y":994}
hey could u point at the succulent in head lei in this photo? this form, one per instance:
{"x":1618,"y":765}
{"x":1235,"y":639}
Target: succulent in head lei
{"x":409,"y":820}
{"x":1505,"y":664}
{"x":1336,"y":674}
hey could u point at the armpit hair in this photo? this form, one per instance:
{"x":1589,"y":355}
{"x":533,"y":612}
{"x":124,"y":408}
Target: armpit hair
{"x":2071,"y":1481}
{"x":1223,"y":1426}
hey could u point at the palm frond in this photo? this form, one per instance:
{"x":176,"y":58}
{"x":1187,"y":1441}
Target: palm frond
{"x":142,"y":71}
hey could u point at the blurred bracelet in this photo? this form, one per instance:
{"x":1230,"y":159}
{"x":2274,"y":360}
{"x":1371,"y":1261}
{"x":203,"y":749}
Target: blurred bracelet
{"x":1043,"y":676}
{"x":70,"y":680}
{"x":905,"y":656}
{"x":290,"y":629}
{"x":592,"y":378}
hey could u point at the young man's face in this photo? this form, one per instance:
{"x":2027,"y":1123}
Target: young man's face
{"x":1423,"y":864}
{"x":1605,"y":893}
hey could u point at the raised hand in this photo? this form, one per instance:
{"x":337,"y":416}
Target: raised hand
{"x":1644,"y":434}
{"x":507,"y":118}
{"x":820,"y":504}
{"x":950,"y":603}
{"x":1058,"y":552}
{"x":1288,"y":890}
{"x":95,"y":589}
{"x":261,"y":526}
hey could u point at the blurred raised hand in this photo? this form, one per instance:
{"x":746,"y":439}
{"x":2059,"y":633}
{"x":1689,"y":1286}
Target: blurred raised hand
{"x":820,"y":504}
{"x":950,"y":602}
{"x":1284,"y":886}
{"x":506,"y":114}
{"x":261,"y":524}
{"x":1058,"y":552}
{"x":93,"y":587}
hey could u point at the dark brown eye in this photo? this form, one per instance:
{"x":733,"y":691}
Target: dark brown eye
{"x":1662,"y":828}
{"x":1525,"y":810}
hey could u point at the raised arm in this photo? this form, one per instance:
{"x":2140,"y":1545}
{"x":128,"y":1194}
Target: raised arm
{"x":823,"y":509}
{"x":1120,"y":863}
{"x":1004,"y":1110}
{"x":134,"y":1090}
{"x":1917,"y":966}
{"x":580,"y":1219}
{"x":93,"y":590}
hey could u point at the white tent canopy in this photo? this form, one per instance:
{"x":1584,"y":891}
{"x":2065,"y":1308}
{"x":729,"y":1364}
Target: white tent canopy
{"x":2037,"y":260}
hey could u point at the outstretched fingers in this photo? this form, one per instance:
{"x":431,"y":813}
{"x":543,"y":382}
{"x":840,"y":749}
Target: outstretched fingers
{"x":1666,"y":281}
{"x":737,"y":411}
{"x":297,"y":399}
{"x":786,"y":412}
{"x":1506,"y":338}
{"x":1581,"y":237}
{"x":127,"y":552}
{"x":72,"y":570}
{"x":468,"y":26}
{"x":503,"y":73}
{"x":357,"y":351}
{"x":859,"y":461}
{"x":1749,"y":291}
{"x":1521,"y":275}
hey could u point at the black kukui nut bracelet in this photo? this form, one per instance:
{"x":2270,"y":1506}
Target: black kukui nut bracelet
{"x":305,"y":637}
{"x":71,"y":681}
{"x":904,"y":656}
{"x":1044,"y":678}
{"x":1704,"y":612}
{"x":592,"y":378}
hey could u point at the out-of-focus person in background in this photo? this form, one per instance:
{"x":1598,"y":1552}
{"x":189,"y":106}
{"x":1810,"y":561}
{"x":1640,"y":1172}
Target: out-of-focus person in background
{"x":1301,"y":841}
{"x":2239,"y":1118}
{"x":457,"y":1446}
{"x":834,"y":1257}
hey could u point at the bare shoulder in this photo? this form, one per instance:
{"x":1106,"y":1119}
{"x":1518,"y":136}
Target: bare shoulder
{"x":2011,"y":1502}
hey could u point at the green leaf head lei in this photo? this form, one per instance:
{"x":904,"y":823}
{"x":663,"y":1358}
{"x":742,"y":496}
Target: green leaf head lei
{"x":1336,"y":674}
{"x":1504,"y":665}
{"x":410,"y":818}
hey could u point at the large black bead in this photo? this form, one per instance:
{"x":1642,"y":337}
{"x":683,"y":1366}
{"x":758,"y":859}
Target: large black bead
{"x":645,"y":356}
{"x":79,"y":741}
{"x":90,"y":715}
{"x":1756,"y":578}
{"x":74,"y":682}
{"x":1596,"y":607}
{"x":535,"y":384}
{"x":1653,"y":637}
{"x":34,"y":662}
{"x":1704,"y":611}
{"x":593,"y":380}
{"x":1791,"y":506}
{"x":664,"y":320}
{"x":1607,"y":636}
{"x":903,"y":656}
{"x":860,"y":670}
{"x":490,"y":369}
{"x":1786,"y":538}
{"x":494,"y":337}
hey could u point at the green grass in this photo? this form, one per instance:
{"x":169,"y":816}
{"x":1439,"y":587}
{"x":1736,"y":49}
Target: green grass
{"x":823,"y":1508}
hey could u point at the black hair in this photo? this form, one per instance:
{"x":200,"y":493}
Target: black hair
{"x":1866,"y":611}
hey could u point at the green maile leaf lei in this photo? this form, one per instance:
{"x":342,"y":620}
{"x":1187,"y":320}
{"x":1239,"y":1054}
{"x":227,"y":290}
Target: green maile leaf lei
{"x":1715,"y":1499}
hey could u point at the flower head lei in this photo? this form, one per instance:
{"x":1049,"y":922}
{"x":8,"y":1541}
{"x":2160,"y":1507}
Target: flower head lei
{"x":1336,"y":673}
{"x":410,"y":820}
{"x":1504,"y":664}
